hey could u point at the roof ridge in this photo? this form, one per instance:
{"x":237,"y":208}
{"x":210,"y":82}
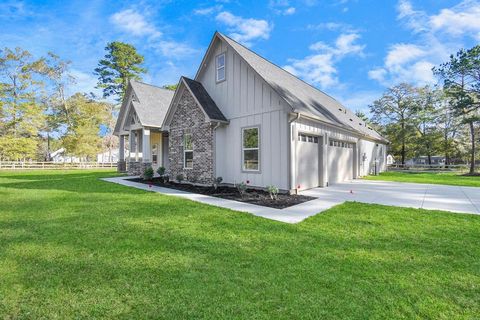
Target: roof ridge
{"x":276,"y":65}
{"x":148,"y":84}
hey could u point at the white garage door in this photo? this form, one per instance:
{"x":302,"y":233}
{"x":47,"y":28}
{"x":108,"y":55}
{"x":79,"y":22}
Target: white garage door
{"x":308,"y":149}
{"x":340,"y":161}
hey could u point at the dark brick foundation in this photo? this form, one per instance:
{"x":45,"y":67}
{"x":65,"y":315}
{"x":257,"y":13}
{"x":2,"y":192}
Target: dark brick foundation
{"x":136,"y":168}
{"x":121,"y":166}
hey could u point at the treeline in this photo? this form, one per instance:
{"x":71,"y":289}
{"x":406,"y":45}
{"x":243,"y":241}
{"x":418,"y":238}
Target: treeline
{"x":435,"y":121}
{"x":40,"y":110}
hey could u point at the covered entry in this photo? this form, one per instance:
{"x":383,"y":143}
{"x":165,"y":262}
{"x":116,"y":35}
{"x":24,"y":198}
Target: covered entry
{"x":309,"y":159}
{"x":340,"y":161}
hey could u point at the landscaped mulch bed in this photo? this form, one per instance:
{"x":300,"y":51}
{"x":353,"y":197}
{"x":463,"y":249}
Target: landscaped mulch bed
{"x":258,"y":197}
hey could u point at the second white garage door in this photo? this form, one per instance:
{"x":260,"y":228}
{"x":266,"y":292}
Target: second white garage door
{"x":340,"y":161}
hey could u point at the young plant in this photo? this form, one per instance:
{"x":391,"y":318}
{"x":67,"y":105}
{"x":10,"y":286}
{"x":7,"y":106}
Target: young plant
{"x":180,"y":178}
{"x":242,"y":188}
{"x":217,"y":181}
{"x":273,"y":191}
{"x":161,"y":171}
{"x":148,"y":173}
{"x":166,"y":178}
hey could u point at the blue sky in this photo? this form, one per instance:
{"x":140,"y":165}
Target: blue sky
{"x":351,"y":49}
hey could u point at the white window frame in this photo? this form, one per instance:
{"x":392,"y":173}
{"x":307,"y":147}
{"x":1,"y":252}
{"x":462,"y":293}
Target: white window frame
{"x":185,"y":134}
{"x":217,"y":67}
{"x":247,"y":149}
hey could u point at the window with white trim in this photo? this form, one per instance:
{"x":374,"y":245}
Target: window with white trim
{"x":220,"y":67}
{"x":251,"y":149}
{"x":187,"y":151}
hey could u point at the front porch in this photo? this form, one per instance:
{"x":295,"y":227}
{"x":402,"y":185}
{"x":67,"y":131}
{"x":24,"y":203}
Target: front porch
{"x":146,"y":146}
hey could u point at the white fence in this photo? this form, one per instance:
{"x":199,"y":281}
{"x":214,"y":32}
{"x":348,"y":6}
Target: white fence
{"x":27,"y":165}
{"x":431,"y":167}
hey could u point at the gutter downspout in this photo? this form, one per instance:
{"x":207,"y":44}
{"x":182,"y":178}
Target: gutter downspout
{"x":292,"y":151}
{"x":214,"y":151}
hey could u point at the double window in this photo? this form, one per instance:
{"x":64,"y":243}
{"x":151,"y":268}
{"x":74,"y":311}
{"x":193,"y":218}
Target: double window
{"x":187,"y":150}
{"x":251,"y":149}
{"x":220,"y":67}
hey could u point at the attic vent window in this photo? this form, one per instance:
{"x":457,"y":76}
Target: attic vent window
{"x":351,"y":119}
{"x":220,"y":67}
{"x":339,"y":109}
{"x":360,"y":123}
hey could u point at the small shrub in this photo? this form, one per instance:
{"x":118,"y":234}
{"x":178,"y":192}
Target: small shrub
{"x":161,"y":171}
{"x":217,"y":181}
{"x":180,"y":178}
{"x":166,"y":178}
{"x":242,"y":188}
{"x":148,"y":173}
{"x":273,"y":191}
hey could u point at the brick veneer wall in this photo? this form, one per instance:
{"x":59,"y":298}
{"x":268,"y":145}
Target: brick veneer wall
{"x":190,"y":118}
{"x":136,"y":168}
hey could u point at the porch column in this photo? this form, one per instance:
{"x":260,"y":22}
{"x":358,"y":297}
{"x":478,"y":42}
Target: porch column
{"x":137,"y":143}
{"x":131,"y":146}
{"x":160,"y":151}
{"x":121,"y":148}
{"x":146,"y":149}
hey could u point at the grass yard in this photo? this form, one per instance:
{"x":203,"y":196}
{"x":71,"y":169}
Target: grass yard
{"x":72,"y":246}
{"x":448,"y":178}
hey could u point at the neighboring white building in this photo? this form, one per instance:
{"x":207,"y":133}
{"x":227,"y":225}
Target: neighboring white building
{"x":246,"y":119}
{"x":390,"y":159}
{"x":110,"y":156}
{"x":59,"y":156}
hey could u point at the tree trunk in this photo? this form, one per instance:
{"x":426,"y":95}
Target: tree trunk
{"x":472,"y":156}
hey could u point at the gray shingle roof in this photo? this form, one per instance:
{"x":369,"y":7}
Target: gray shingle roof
{"x":301,"y":96}
{"x":152,"y":104}
{"x":206,"y":102}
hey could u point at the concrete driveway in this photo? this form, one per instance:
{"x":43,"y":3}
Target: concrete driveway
{"x":414,"y":195}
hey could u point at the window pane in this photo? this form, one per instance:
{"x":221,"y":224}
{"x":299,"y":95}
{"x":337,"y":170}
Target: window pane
{"x":315,"y":139}
{"x":250,"y":138}
{"x":310,"y":139}
{"x":221,"y":61}
{"x":188,"y":159}
{"x":187,"y":142}
{"x":221,"y":74}
{"x":250,"y":159}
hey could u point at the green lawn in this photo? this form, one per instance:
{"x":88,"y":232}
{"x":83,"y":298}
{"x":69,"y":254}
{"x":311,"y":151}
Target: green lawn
{"x":449,"y":178}
{"x":72,"y":246}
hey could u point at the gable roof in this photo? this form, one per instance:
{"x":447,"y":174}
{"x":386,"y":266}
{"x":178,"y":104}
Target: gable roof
{"x":301,"y":96}
{"x":150,"y":104}
{"x":205,"y":101}
{"x":201,"y":97}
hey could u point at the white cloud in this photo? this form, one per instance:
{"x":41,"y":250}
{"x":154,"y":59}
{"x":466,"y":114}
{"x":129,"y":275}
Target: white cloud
{"x":207,"y":11}
{"x":319,"y":68}
{"x":437,"y":36}
{"x":173,"y":49}
{"x":84,"y":82}
{"x":461,"y":19}
{"x":402,"y":53}
{"x":245,"y":30}
{"x":282,"y":7}
{"x":333,"y":26}
{"x":133,"y":22}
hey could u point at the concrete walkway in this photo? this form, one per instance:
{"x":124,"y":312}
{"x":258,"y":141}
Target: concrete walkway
{"x":449,"y":198}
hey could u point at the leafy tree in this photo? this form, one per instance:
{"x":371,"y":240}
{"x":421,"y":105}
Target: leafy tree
{"x":395,"y":111}
{"x":427,"y":116}
{"x":172,"y":87}
{"x":21,"y":113}
{"x":461,"y":75}
{"x":83,"y":139}
{"x":121,"y":63}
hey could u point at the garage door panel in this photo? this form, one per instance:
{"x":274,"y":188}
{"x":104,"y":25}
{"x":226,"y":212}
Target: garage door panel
{"x":340,"y":161}
{"x":308,"y":149}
